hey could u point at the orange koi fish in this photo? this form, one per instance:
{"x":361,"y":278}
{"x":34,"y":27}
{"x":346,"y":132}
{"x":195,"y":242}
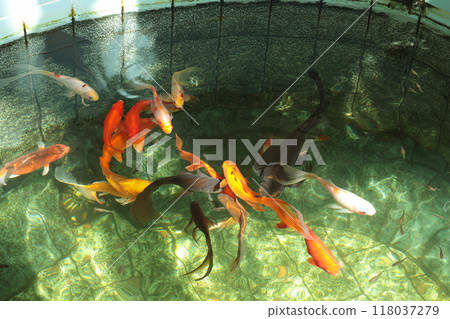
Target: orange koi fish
{"x":161,"y":114}
{"x":290,"y":217}
{"x":133,"y":122}
{"x":132,"y":187}
{"x":322,"y":257}
{"x":73,"y":85}
{"x":178,"y":80}
{"x":112,"y":122}
{"x":30,"y":162}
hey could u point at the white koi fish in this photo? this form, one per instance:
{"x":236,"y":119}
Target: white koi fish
{"x":177,"y":93}
{"x":348,"y":202}
{"x":73,"y":85}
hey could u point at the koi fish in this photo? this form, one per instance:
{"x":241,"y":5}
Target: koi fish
{"x":73,"y":85}
{"x":401,"y":230}
{"x":142,"y":209}
{"x":132,"y":187}
{"x":414,"y":72}
{"x":289,"y":216}
{"x":321,"y":256}
{"x":441,"y":253}
{"x":272,"y":169}
{"x":162,"y":116}
{"x":178,"y":80}
{"x":112,"y":122}
{"x":348,"y":202}
{"x":30,"y":162}
{"x":203,"y":223}
{"x":133,"y":123}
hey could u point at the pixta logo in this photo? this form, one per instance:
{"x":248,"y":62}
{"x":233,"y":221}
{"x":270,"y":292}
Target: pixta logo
{"x":282,"y":156}
{"x":140,"y":141}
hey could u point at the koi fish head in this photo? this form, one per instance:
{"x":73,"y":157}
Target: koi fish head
{"x":365,"y":208}
{"x":166,"y":125}
{"x":89,"y":93}
{"x":62,"y":149}
{"x":179,"y":99}
{"x":233,"y":175}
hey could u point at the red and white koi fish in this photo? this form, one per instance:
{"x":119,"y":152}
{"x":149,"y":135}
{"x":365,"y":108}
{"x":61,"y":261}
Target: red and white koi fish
{"x":73,"y":85}
{"x":30,"y":162}
{"x":348,"y":201}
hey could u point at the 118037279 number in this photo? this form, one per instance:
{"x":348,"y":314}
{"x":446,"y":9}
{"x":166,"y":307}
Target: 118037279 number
{"x":405,"y":310}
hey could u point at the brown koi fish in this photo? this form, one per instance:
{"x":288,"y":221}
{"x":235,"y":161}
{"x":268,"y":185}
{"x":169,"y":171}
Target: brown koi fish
{"x":203,"y":223}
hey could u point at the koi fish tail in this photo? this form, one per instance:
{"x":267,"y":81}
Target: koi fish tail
{"x":112,"y":178}
{"x":240,"y":253}
{"x":208,"y":261}
{"x":67,"y":178}
{"x":182,"y":77}
{"x":23,"y":70}
{"x":289,"y":216}
{"x":139,"y":86}
{"x":294,"y":176}
{"x":313,"y":74}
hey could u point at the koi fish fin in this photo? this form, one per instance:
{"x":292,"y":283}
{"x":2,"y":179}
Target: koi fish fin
{"x":118,"y":157}
{"x":139,"y":146}
{"x":339,"y":208}
{"x":13,"y":176}
{"x":257,"y":207}
{"x":41,"y":145}
{"x":69,"y":93}
{"x":165,"y":97}
{"x":194,"y":167}
{"x":46,"y":169}
{"x":282,"y":225}
{"x":312,"y":262}
{"x":126,"y":94}
{"x":223,"y":183}
{"x":67,"y":178}
{"x":3,"y":176}
{"x":124,"y":201}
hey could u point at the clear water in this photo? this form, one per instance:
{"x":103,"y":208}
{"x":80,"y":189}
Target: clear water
{"x":59,"y":247}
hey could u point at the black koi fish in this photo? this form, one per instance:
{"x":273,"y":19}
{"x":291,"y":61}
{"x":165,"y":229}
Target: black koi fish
{"x":273,"y":171}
